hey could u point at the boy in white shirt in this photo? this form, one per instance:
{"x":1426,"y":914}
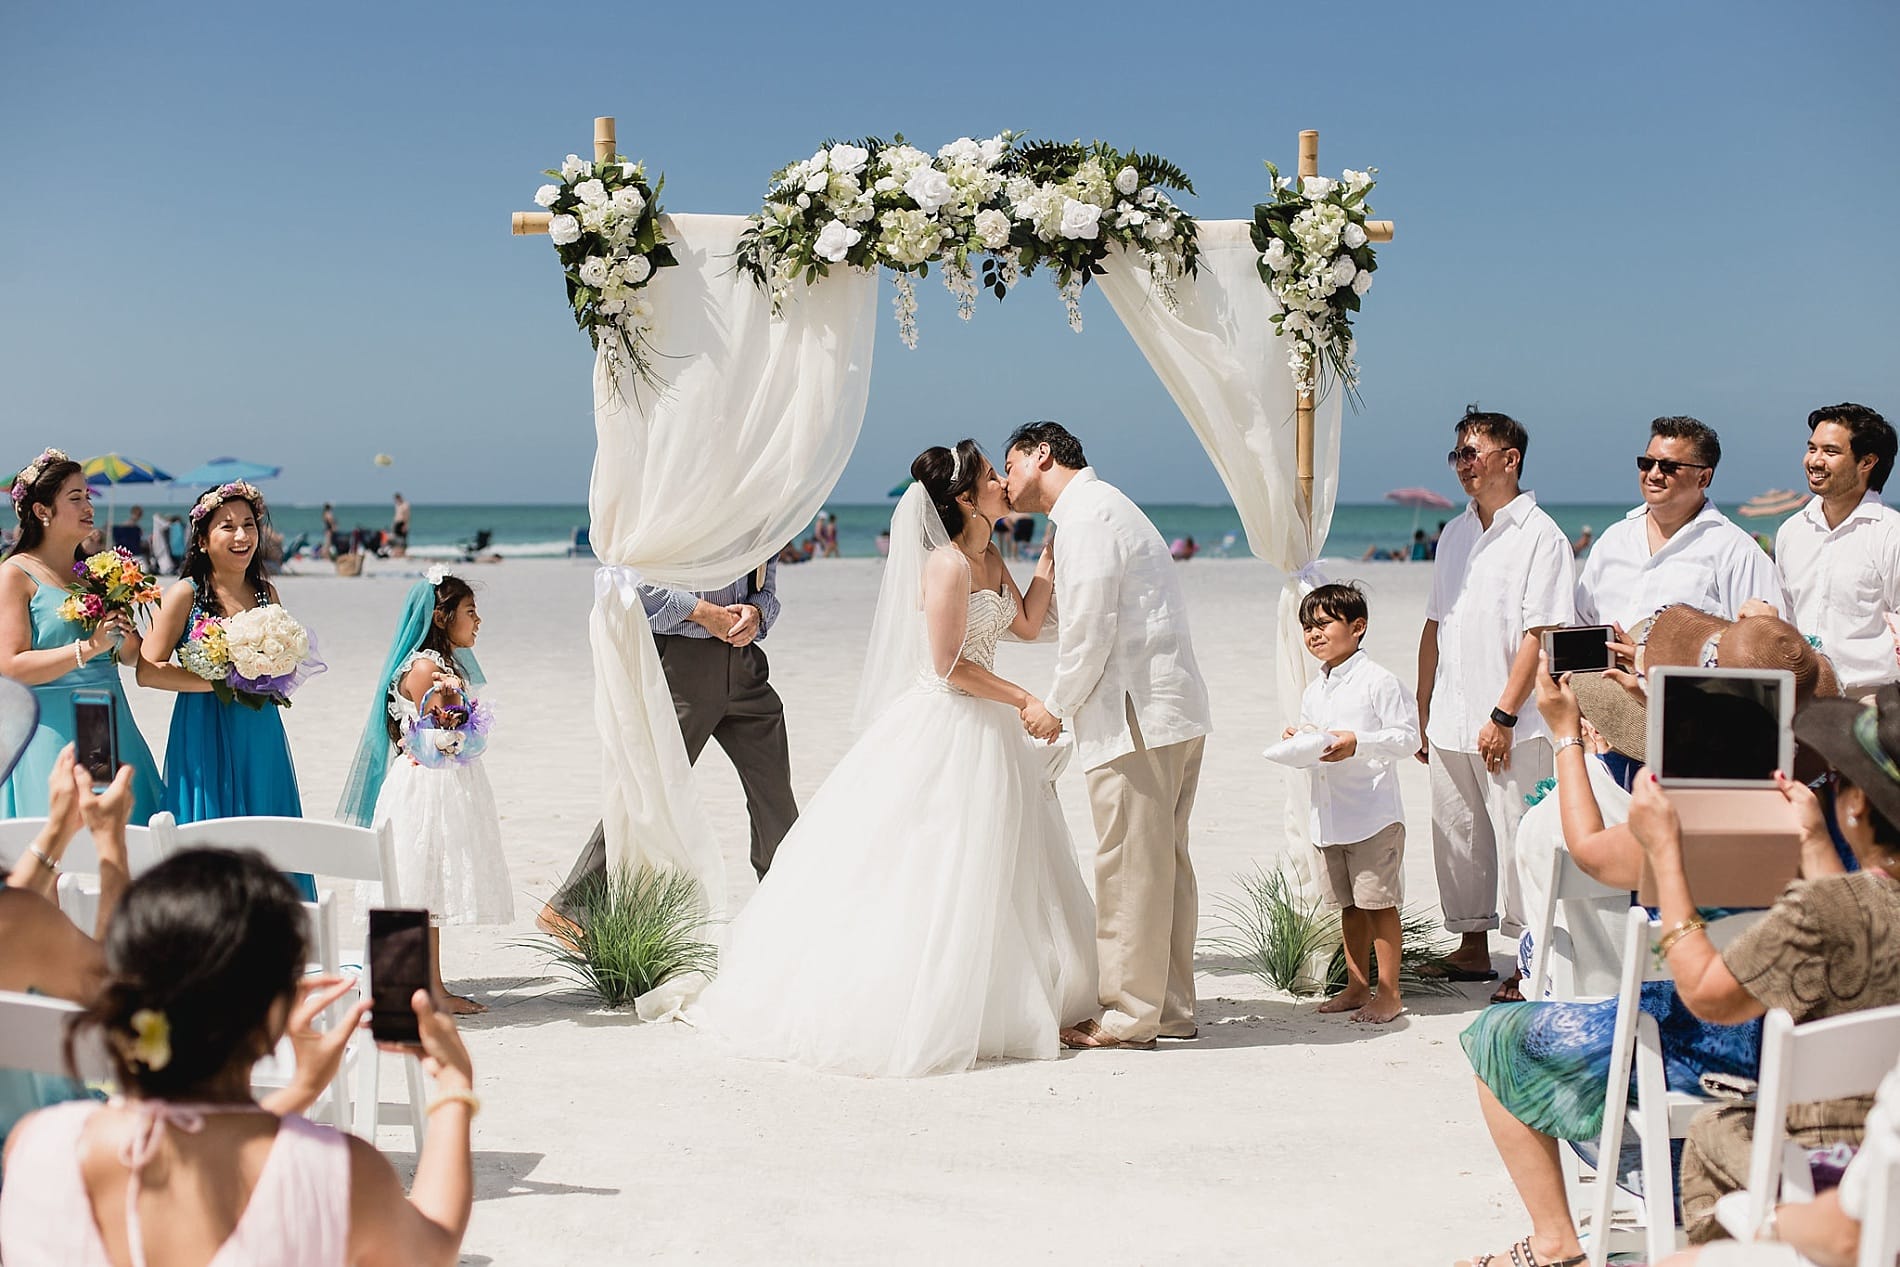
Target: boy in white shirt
{"x":1358,"y":820}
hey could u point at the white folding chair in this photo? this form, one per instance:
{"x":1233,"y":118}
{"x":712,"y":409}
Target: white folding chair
{"x":344,"y":852}
{"x":1880,"y":1214}
{"x":78,"y":886}
{"x":1554,"y":965}
{"x":1823,"y":1060}
{"x":1659,"y":1114}
{"x":33,"y":1038}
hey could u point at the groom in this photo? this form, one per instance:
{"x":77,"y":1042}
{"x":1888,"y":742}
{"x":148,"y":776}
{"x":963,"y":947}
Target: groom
{"x":1127,"y":685}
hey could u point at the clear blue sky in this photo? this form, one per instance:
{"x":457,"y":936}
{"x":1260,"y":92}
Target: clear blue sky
{"x":281,"y":231}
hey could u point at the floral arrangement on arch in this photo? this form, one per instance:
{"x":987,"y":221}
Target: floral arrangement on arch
{"x":1011,"y":207}
{"x":606,"y":227}
{"x":1317,"y":260}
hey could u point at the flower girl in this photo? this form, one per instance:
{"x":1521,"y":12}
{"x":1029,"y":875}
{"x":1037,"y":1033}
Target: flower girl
{"x":433,"y":791}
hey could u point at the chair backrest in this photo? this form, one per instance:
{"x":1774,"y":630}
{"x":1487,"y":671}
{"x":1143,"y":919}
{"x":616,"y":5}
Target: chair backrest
{"x":144,"y":846}
{"x":1555,"y":960}
{"x":33,"y":1038}
{"x":1880,"y":1204}
{"x":1720,"y":932}
{"x":302,"y":844}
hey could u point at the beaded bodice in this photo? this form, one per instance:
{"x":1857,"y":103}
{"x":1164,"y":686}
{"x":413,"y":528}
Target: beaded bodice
{"x":990,"y":615}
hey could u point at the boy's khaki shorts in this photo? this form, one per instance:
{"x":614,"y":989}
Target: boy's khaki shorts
{"x":1368,"y":874}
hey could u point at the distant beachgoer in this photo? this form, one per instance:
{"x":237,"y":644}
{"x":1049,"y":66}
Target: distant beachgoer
{"x":164,"y":559}
{"x":1183,"y":549}
{"x":399,"y":529}
{"x":825,"y":532}
{"x":1431,"y":547}
{"x":328,"y":549}
{"x":1582,"y":543}
{"x":1379,"y":554}
{"x":796,"y":553}
{"x":1022,"y":530}
{"x":1421,"y":548}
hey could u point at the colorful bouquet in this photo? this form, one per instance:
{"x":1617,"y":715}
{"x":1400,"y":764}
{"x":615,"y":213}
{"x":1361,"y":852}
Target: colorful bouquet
{"x":452,"y":732}
{"x":109,"y":581}
{"x":256,"y":657}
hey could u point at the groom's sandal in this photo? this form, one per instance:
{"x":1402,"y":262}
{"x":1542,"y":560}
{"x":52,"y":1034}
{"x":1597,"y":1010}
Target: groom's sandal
{"x":1521,"y":1256}
{"x":1089,"y":1035}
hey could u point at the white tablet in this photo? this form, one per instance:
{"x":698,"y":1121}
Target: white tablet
{"x":1728,"y":728}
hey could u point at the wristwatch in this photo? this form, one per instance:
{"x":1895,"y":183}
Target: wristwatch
{"x":1504,"y":719}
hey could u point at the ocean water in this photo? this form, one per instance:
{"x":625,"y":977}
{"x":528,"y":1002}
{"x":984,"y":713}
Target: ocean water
{"x":546,"y":531}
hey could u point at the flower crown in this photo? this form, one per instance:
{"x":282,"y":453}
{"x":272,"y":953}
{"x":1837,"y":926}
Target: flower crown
{"x":27,"y":478}
{"x":224,"y":493}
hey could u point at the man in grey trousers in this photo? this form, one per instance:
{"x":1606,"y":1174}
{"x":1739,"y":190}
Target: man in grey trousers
{"x":708,"y":644}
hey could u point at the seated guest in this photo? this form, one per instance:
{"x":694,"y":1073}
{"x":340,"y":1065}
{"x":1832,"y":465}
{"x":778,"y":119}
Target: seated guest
{"x":202,"y":965}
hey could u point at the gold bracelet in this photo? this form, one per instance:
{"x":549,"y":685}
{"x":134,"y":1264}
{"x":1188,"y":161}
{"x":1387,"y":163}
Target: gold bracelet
{"x":1676,"y":934}
{"x":45,"y":861}
{"x":473,"y":1101}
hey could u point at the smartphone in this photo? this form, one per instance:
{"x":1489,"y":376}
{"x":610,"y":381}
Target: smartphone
{"x":96,"y":735}
{"x":398,"y":967}
{"x":1583,"y":649}
{"x":1723,"y":728}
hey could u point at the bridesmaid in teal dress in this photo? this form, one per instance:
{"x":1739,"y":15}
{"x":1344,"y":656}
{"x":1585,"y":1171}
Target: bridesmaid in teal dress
{"x":223,"y":760}
{"x":55,"y":656}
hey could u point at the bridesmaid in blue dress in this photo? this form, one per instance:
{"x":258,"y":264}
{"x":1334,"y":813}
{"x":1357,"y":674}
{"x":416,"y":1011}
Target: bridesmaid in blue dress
{"x":223,"y":760}
{"x":54,"y":656}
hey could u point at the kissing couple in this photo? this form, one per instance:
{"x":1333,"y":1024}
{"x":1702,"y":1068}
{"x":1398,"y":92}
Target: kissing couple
{"x":926,"y":911}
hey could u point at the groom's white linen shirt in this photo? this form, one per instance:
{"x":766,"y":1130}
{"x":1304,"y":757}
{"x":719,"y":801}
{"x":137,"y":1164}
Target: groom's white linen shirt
{"x":1123,"y":632}
{"x":1490,"y":587}
{"x":1842,"y":582}
{"x":1710,"y":564}
{"x":1358,"y":797}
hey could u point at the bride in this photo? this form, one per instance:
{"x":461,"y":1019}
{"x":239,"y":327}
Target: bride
{"x":926,"y":911}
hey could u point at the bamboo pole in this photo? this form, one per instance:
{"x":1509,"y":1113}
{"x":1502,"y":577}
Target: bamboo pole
{"x":603,"y":138}
{"x":1303,"y":422}
{"x":529,"y":223}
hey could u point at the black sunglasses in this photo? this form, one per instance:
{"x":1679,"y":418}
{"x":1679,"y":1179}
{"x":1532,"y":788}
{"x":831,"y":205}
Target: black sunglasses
{"x":1670,"y":466}
{"x":1468,"y":453}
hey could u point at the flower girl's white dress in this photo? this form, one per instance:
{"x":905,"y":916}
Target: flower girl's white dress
{"x":446,"y":828}
{"x":926,"y":911}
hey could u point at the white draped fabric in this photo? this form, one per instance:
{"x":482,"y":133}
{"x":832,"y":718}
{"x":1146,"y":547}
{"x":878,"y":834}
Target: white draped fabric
{"x":699,"y":483}
{"x":1226,"y":369}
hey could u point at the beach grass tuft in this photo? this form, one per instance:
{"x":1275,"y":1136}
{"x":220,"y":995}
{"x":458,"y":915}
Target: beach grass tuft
{"x":638,"y":929}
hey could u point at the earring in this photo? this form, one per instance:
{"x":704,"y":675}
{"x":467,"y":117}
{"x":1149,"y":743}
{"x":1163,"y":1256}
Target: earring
{"x":1853,"y":820}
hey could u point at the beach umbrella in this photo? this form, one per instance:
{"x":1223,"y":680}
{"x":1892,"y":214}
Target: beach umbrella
{"x":1420,"y":500}
{"x":114,"y":469}
{"x":899,"y":490}
{"x":227,"y":471}
{"x":1776,"y":501}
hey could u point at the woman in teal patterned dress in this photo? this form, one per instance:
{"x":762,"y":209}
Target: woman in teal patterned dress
{"x":224,"y":759}
{"x":54,"y":656}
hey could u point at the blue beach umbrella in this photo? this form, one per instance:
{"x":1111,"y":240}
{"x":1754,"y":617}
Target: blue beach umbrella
{"x":228,"y":470}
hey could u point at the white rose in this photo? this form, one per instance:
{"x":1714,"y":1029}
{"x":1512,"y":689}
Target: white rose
{"x":1343,"y":270}
{"x":992,"y":228}
{"x":628,"y":202}
{"x":591,"y":192}
{"x":564,"y":229}
{"x":846,"y":159}
{"x":929,"y":188}
{"x":572,"y":168}
{"x":835,"y":241}
{"x":546,"y":195}
{"x":1127,"y":181}
{"x":1080,"y":219}
{"x":1354,"y":237}
{"x":594,"y":271}
{"x":816,"y":182}
{"x":1362,"y":283}
{"x":1277,"y":257}
{"x":1317,"y":186}
{"x":636,"y":269}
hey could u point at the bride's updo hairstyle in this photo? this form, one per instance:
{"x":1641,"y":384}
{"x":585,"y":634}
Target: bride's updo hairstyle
{"x":946,"y":475}
{"x":203,"y":946}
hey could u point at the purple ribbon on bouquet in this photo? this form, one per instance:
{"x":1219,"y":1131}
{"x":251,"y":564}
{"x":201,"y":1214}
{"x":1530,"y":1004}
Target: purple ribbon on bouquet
{"x":280,"y":686}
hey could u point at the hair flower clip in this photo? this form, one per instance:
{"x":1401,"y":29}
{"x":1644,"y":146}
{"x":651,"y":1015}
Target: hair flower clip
{"x":152,"y":1041}
{"x":436,"y":574}
{"x":243,"y":489}
{"x":30,"y":474}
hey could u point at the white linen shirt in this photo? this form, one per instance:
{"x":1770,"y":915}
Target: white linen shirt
{"x":1490,"y":587}
{"x":1122,"y":629}
{"x":1842,"y":581}
{"x":1358,"y":797}
{"x":1710,"y":564}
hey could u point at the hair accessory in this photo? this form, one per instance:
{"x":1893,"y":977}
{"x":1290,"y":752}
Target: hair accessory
{"x":1867,"y":734}
{"x":152,"y":1041}
{"x":225,"y":492}
{"x":23,"y":483}
{"x":436,"y":574}
{"x":956,"y":464}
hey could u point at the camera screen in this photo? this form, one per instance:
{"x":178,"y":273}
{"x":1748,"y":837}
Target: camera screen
{"x":1720,"y":727}
{"x":398,"y":967}
{"x":93,"y":744}
{"x":1583,"y":650}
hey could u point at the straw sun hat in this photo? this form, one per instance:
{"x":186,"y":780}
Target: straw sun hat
{"x":1683,"y":636}
{"x":1862,"y":742}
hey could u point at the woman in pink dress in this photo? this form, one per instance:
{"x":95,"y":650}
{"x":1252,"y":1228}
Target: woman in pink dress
{"x":203,"y":962}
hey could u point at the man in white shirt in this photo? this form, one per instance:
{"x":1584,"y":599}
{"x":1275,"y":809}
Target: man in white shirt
{"x":1503,"y":575}
{"x":1127,"y":685}
{"x":1676,"y":547}
{"x":1840,"y":556}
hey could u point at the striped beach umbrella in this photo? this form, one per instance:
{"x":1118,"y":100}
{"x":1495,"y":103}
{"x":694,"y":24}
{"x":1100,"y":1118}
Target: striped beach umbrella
{"x":114,"y":469}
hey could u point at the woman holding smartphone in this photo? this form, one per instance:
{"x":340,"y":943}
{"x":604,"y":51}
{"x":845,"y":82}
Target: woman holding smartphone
{"x":66,"y":667}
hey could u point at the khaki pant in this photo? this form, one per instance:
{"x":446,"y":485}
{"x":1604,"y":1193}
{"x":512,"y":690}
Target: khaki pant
{"x":1475,"y":814}
{"x":1147,"y":907}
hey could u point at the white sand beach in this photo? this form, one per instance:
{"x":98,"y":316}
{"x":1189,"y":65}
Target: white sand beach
{"x":1280,"y":1136}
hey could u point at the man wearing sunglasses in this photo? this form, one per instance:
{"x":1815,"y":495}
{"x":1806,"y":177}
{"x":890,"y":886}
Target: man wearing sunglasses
{"x":1676,"y":547}
{"x":1504,"y":573}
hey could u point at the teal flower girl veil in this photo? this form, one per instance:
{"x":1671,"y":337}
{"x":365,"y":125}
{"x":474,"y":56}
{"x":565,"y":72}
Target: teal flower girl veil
{"x":372,"y":750}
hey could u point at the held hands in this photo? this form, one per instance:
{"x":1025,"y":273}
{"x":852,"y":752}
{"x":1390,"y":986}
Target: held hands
{"x":1039,"y":721}
{"x":715,"y":620}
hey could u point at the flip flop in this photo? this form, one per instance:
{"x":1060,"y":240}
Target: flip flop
{"x":1521,"y":1256}
{"x":1509,"y":992}
{"x":1451,"y":972}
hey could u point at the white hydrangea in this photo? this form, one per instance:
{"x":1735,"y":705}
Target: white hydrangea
{"x":909,"y":237}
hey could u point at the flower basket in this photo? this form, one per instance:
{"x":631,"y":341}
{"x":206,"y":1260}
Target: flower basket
{"x":349,"y":565}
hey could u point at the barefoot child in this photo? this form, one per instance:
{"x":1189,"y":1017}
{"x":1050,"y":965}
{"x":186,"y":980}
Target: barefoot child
{"x":1358,"y":821}
{"x":419,"y":768}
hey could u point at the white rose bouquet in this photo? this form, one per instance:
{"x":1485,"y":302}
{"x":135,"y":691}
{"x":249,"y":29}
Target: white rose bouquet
{"x":255,"y":657}
{"x":1317,"y":260}
{"x":606,"y":228}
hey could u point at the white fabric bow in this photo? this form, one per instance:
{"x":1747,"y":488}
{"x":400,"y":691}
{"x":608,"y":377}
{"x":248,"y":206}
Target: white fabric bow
{"x":1312,"y":576}
{"x":618,"y":579}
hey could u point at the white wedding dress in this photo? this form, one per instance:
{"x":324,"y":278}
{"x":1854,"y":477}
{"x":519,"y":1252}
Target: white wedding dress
{"x":926,"y":911}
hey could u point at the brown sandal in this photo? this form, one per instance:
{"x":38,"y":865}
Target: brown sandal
{"x":1089,"y":1035}
{"x":1522,"y":1256}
